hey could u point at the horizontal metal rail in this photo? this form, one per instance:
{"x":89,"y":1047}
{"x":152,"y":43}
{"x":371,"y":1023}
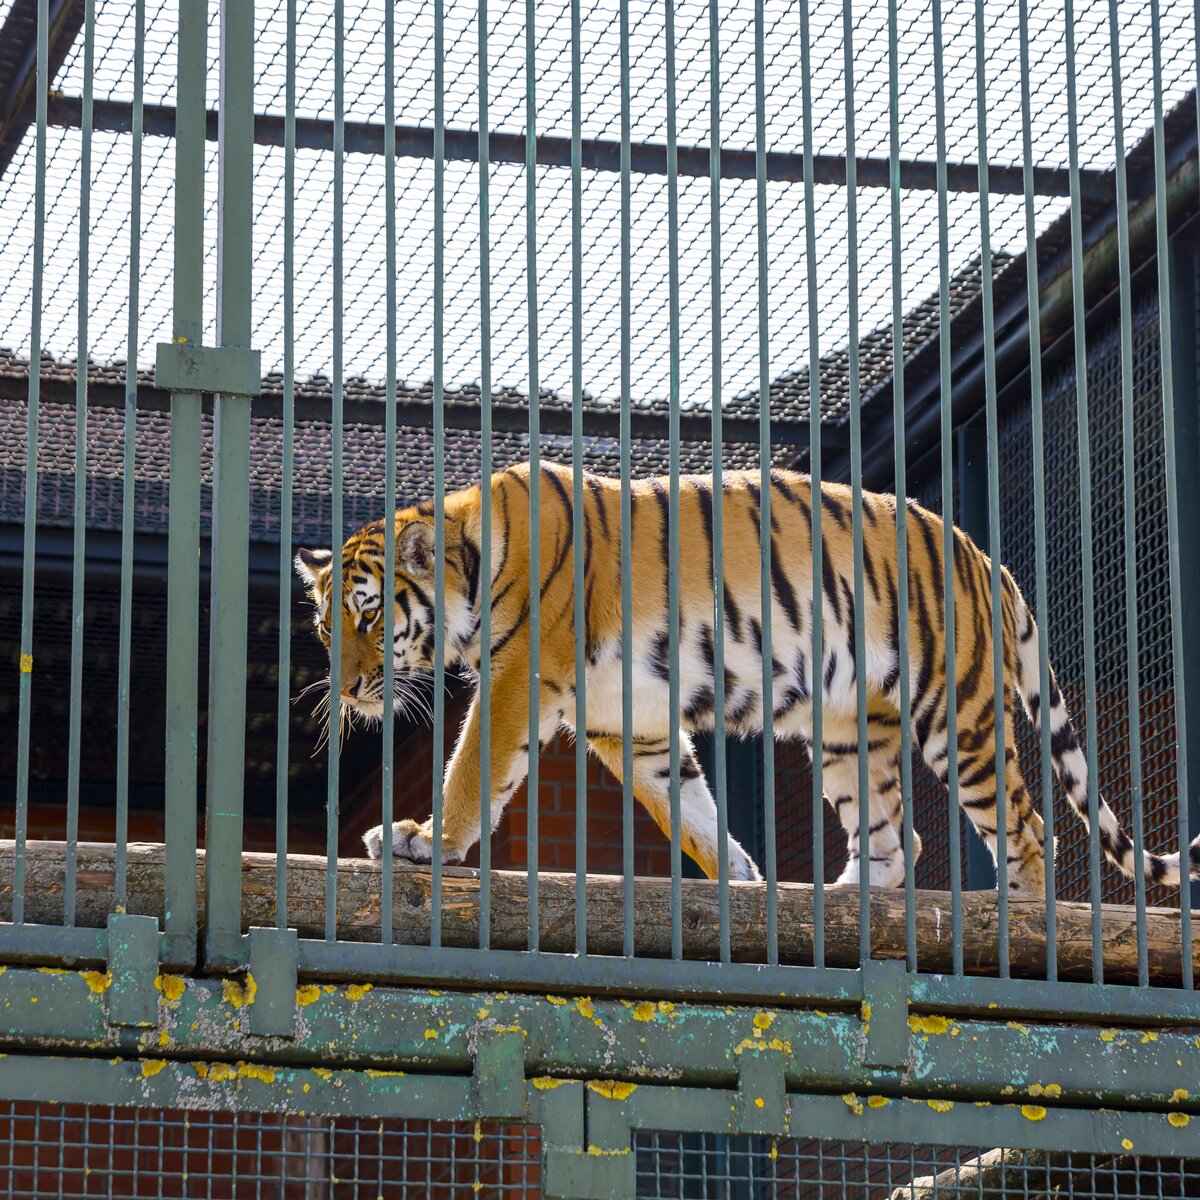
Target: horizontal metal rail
{"x":462,"y":145}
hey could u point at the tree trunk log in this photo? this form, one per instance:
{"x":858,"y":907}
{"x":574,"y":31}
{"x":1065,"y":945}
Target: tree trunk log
{"x":358,"y":908}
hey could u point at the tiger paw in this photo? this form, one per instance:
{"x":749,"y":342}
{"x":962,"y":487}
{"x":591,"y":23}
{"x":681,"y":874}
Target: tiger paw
{"x":410,"y":842}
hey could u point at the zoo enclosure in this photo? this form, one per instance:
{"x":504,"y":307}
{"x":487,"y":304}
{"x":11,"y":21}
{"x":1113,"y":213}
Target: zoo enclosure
{"x":834,"y":406}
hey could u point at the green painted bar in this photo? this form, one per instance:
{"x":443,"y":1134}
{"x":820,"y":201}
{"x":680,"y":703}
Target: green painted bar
{"x":817,"y":654}
{"x":485,"y":451}
{"x":954,"y":816}
{"x":902,"y":648}
{"x":183,"y":530}
{"x":672,"y":530}
{"x":1168,"y":394}
{"x":283,"y":717}
{"x":720,"y":777}
{"x":231,"y":496}
{"x":1033,"y":300}
{"x":535,"y":473}
{"x":79,"y":542}
{"x":29,"y":537}
{"x":1085,"y":492}
{"x":993,"y":438}
{"x":766,"y":539}
{"x":128,"y":461}
{"x":626,"y":503}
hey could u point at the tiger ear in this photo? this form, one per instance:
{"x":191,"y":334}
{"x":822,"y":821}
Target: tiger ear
{"x":414,"y":549}
{"x":312,"y":564}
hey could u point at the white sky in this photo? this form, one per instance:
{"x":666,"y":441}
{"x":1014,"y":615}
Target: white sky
{"x":364,"y":317}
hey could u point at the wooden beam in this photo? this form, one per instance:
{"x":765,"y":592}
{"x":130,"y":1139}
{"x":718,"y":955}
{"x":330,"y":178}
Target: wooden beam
{"x":359,"y":896}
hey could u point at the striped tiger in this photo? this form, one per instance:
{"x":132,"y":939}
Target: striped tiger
{"x":412,"y":594}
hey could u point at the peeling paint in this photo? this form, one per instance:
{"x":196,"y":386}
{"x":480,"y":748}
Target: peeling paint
{"x":1033,"y":1112}
{"x":612,"y":1089}
{"x":309,"y":994}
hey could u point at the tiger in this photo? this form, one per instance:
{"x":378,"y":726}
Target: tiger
{"x":790,"y":574}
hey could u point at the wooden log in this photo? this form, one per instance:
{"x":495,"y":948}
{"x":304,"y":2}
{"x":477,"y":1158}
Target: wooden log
{"x":359,"y":908}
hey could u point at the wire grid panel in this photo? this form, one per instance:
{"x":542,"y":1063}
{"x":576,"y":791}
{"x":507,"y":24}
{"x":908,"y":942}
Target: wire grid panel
{"x":719,"y":1167}
{"x":98,"y":1151}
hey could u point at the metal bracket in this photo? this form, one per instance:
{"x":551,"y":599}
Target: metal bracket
{"x":761,"y":1101}
{"x":885,"y":1014}
{"x":588,"y":1148}
{"x":185,"y":366}
{"x":133,"y":965}
{"x":499,"y":1077}
{"x":274,"y":964}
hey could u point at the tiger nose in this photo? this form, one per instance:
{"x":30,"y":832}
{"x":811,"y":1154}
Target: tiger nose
{"x":351,"y":692}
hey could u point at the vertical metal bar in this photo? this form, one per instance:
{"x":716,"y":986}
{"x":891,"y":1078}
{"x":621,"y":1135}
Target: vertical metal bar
{"x":673,"y":488}
{"x":336,"y":518}
{"x":78,"y":559}
{"x":577,"y":535}
{"x":129,"y":462}
{"x":183,"y":519}
{"x":285,"y":489}
{"x":1033,"y":301}
{"x":231,"y":495}
{"x":720,"y":779}
{"x":626,"y":505}
{"x":817,"y":655}
{"x":1128,"y":472}
{"x":947,"y":459}
{"x":860,"y":646}
{"x":535,"y":470}
{"x":1169,"y":418}
{"x":29,"y":540}
{"x":485,"y":542}
{"x":989,"y":352}
{"x":901,"y":474}
{"x":439,"y":461}
{"x":1085,"y":498}
{"x":388,"y":591}
{"x":765,"y":535}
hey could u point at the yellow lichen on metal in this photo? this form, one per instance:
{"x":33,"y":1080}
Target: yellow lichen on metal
{"x":759,"y":1102}
{"x":164,"y":1038}
{"x":1033,"y":1112}
{"x":171,"y":986}
{"x":152,"y":1066}
{"x":52,"y":970}
{"x":1052,"y":1090}
{"x":557,"y":1000}
{"x":877,"y":1101}
{"x":853,"y":1103}
{"x":1149,"y":1036}
{"x":356,"y":991}
{"x":1018,"y":1027}
{"x":1107,"y":1035}
{"x":26,"y":662}
{"x":928,"y":1024}
{"x":1126,"y":1144}
{"x":644,"y":1011}
{"x":430,"y":1034}
{"x":376,"y":1074}
{"x":98,"y":981}
{"x":612,"y":1089}
{"x":940,"y":1106}
{"x":1179,"y":1120}
{"x":596,"y":1152}
{"x":584,"y":1007}
{"x":760,"y":1043}
{"x":239,"y":995}
{"x":308,"y":994}
{"x":764,"y":1020}
{"x":483,"y":1012}
{"x":1178,"y":1096}
{"x":256,"y":1071}
{"x":545,"y":1083}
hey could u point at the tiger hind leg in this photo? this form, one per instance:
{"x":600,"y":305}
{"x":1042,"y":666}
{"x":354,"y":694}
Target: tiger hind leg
{"x":697,"y":809}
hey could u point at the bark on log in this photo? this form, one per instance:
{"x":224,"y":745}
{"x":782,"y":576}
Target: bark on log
{"x":359,"y":897}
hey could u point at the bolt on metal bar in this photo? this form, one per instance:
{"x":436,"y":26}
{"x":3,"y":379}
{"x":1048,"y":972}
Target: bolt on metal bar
{"x":817,"y":504}
{"x":577,"y":514}
{"x":859,"y":648}
{"x":1128,"y":471}
{"x":285,"y":489}
{"x":947,"y":465}
{"x":387,"y":776}
{"x":79,"y":545}
{"x":485,"y":522}
{"x":720,"y":776}
{"x":627,"y":864}
{"x":993,"y":440}
{"x":535,"y":472}
{"x":231,"y":496}
{"x":902,"y":602}
{"x":439,"y":463}
{"x":129,"y":457}
{"x":183,"y":517}
{"x":334,"y":745}
{"x":766,"y":538}
{"x":1162,"y":238}
{"x":1085,"y":498}
{"x":1033,"y":300}
{"x":672,"y":522}
{"x":29,"y":540}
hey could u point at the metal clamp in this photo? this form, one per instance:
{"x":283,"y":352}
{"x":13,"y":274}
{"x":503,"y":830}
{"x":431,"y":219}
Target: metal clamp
{"x":885,"y":1014}
{"x":499,"y":1077}
{"x":133,"y":943}
{"x":274,"y":965}
{"x":185,"y":366}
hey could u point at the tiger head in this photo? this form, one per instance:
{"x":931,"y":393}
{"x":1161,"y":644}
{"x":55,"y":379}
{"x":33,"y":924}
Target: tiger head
{"x":362,"y":622}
